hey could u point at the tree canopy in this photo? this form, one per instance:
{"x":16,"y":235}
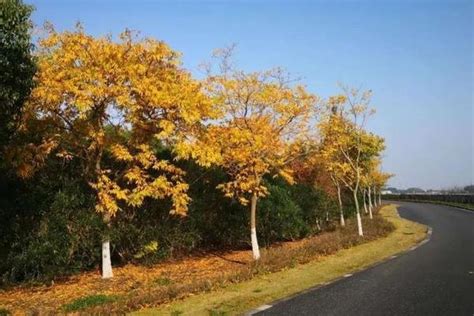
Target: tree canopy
{"x":16,"y":64}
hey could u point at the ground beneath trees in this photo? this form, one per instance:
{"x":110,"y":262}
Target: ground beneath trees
{"x":134,"y":287}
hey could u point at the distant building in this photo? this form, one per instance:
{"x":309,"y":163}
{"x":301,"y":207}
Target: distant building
{"x":386,"y":192}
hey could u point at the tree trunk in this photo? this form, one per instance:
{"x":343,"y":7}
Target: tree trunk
{"x":370,"y":206}
{"x":106,"y":261}
{"x":365,"y":203}
{"x":369,"y":196}
{"x":253,"y":229}
{"x":343,"y":222}
{"x":380,"y":198}
{"x":374,"y":201}
{"x":359,"y":225}
{"x":375,"y":197}
{"x":359,"y":221}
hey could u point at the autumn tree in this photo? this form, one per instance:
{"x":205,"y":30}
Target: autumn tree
{"x":369,"y":178}
{"x":107,"y":104}
{"x":373,"y":174}
{"x":263,"y":120}
{"x":379,"y":179}
{"x":313,"y":168}
{"x":329,"y":154}
{"x":350,"y":143}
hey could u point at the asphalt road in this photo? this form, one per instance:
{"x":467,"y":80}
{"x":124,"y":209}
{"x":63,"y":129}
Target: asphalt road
{"x":435,"y":279}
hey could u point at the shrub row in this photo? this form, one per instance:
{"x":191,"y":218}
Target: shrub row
{"x":51,"y":228}
{"x":451,"y":198}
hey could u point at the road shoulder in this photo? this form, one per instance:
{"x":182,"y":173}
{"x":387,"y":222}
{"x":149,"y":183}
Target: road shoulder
{"x":263,"y":291}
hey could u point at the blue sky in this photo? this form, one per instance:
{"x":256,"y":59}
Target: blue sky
{"x":416,"y":56}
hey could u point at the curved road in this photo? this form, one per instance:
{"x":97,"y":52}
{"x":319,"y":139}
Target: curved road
{"x":434,"y":279}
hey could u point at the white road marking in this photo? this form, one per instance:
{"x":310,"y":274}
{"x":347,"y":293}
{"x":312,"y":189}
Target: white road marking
{"x":263,"y":307}
{"x":259,"y":309}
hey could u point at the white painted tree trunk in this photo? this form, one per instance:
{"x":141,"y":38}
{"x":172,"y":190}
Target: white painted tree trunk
{"x":341,"y":212}
{"x":255,"y":249}
{"x":375,"y":197}
{"x":369,"y":196}
{"x":370,"y":213}
{"x":365,"y":202}
{"x":359,"y":224}
{"x":359,"y":221}
{"x":253,"y":229}
{"x":106,"y":262}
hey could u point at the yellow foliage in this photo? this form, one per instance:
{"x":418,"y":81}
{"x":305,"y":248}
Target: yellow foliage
{"x":347,"y":149}
{"x":262,"y":118}
{"x":90,"y":92}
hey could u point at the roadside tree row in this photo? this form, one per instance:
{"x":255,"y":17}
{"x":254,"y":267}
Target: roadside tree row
{"x":107,"y":108}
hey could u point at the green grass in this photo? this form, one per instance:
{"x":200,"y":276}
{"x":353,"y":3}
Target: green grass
{"x":163,"y":281}
{"x":238,"y":298}
{"x":4,"y":312}
{"x":88,"y":301}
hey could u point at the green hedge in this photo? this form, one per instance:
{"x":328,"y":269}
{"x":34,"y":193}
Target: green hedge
{"x":452,"y":198}
{"x":51,"y":228}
